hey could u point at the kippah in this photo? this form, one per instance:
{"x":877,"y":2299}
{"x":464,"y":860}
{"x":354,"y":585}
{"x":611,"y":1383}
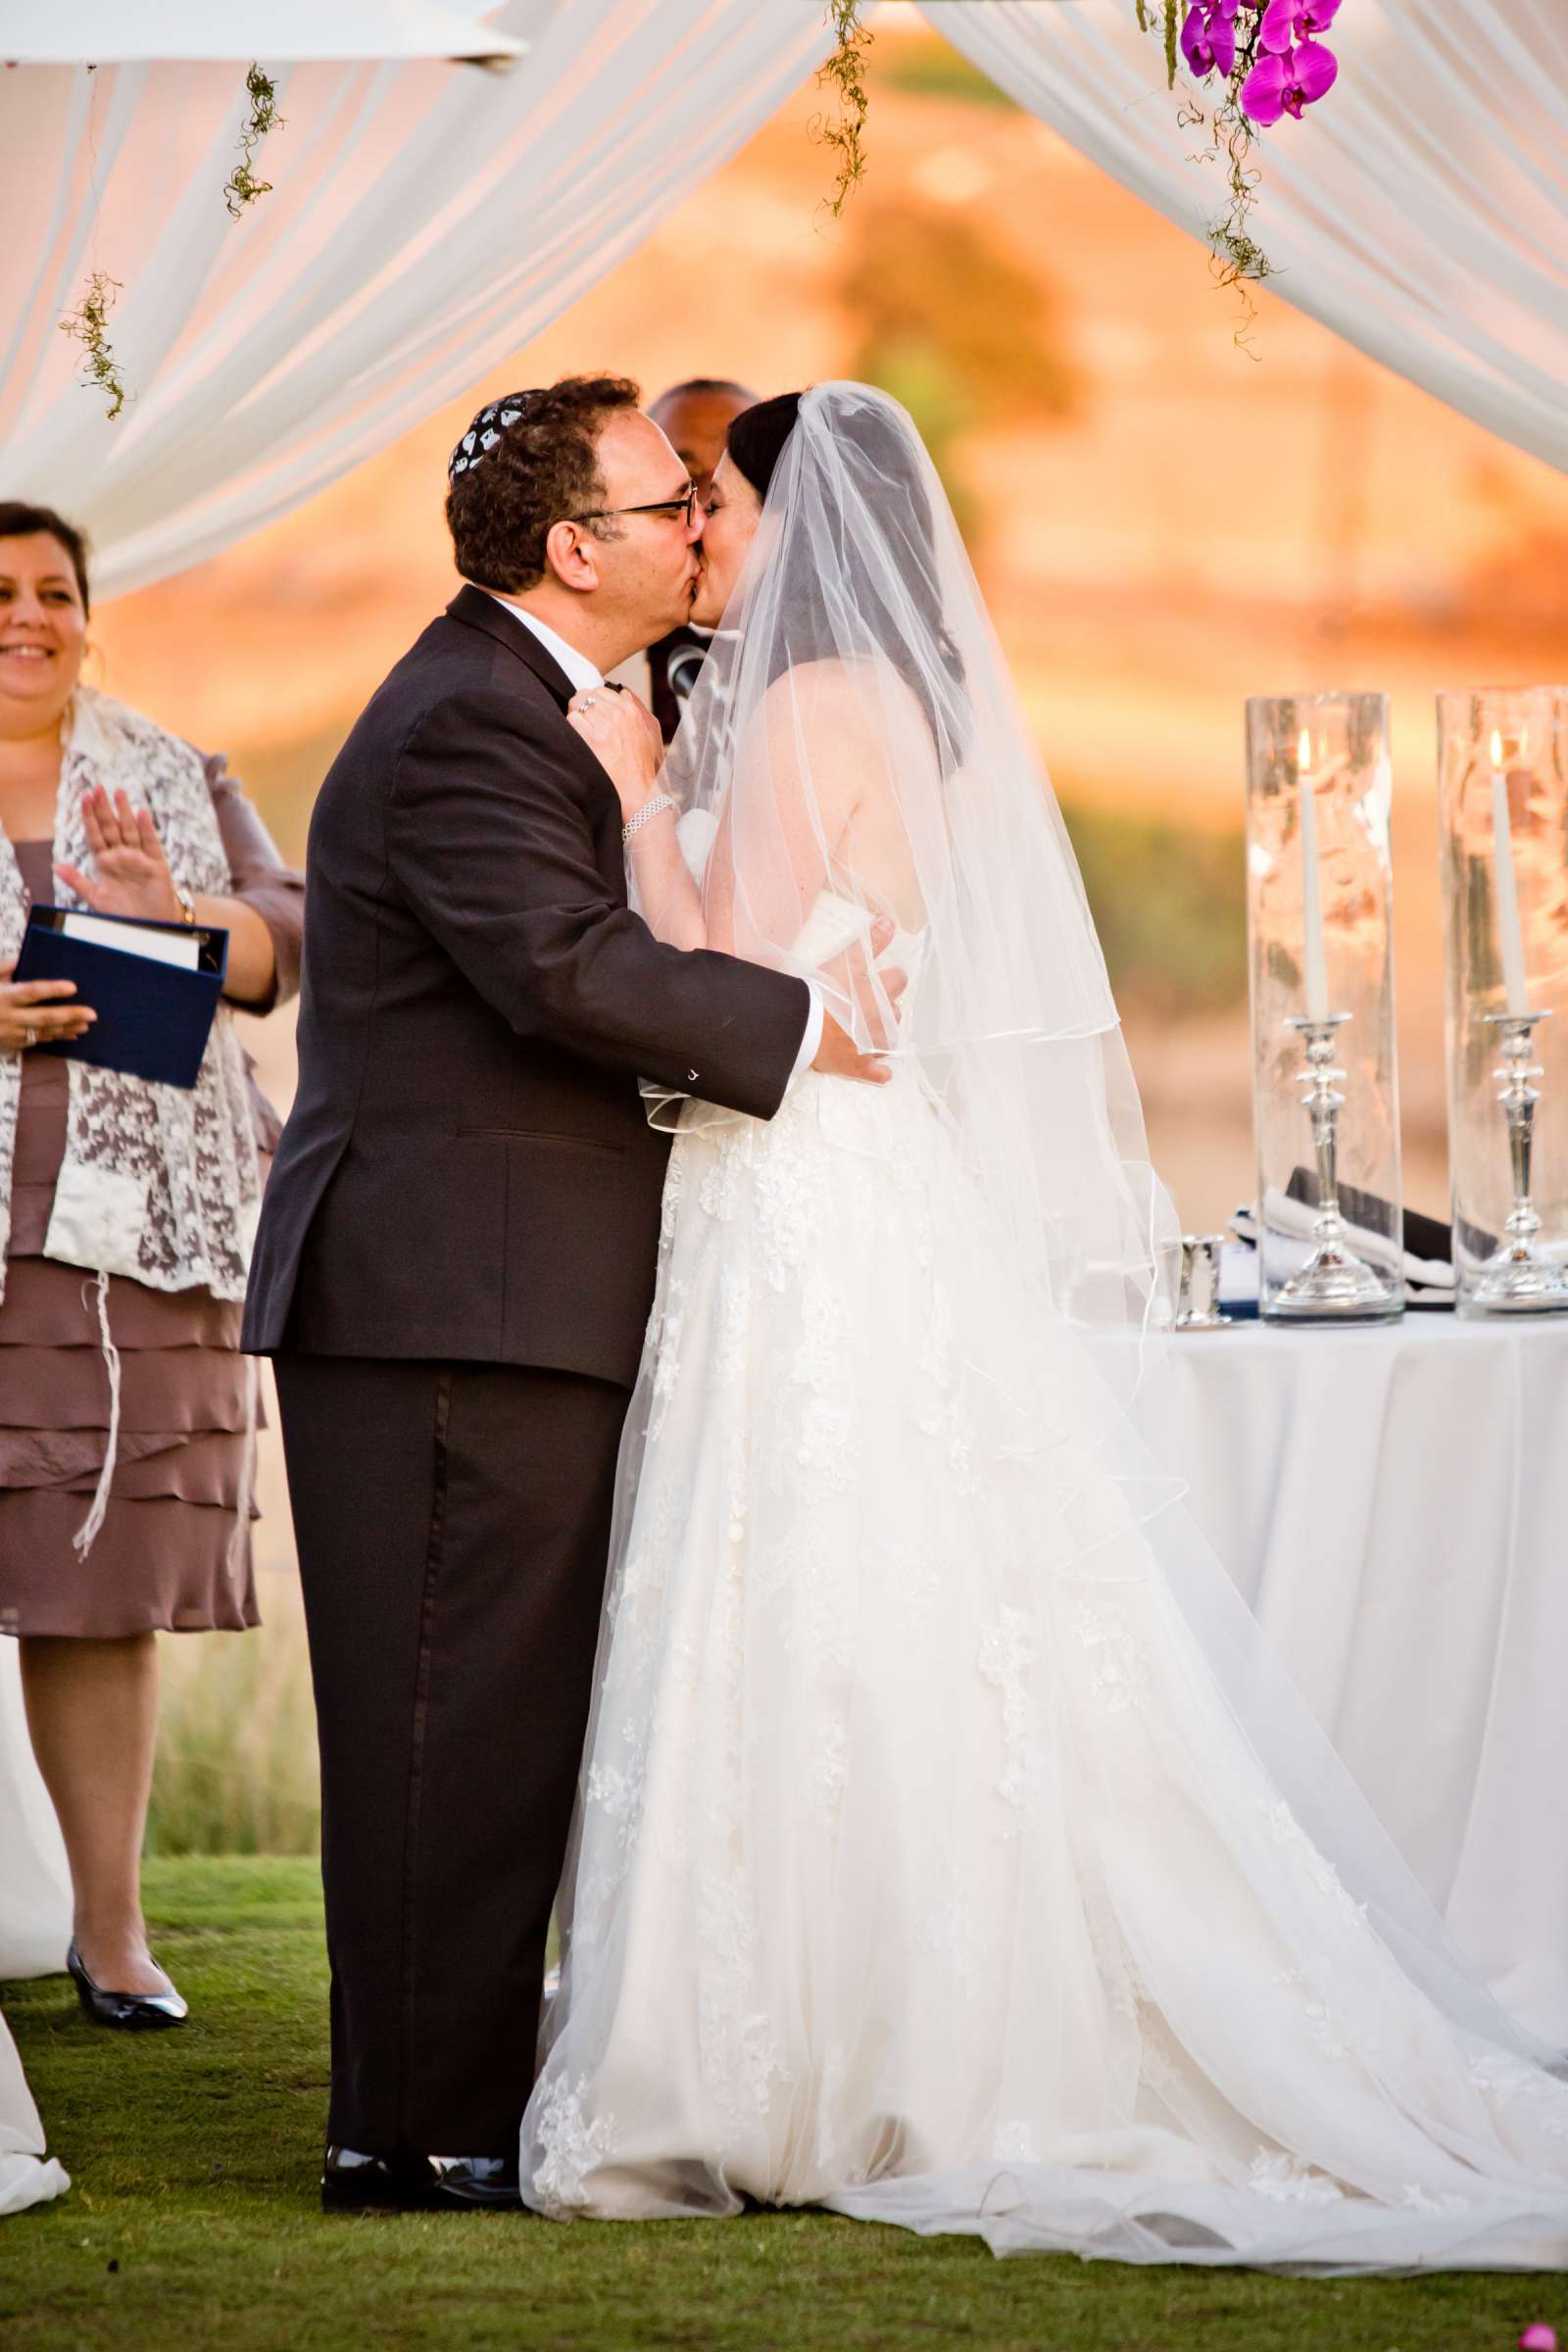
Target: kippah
{"x":486,"y":430}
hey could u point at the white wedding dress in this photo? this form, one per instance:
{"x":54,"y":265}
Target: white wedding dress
{"x":925,"y":1868}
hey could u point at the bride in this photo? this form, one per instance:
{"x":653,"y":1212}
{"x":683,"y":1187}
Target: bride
{"x":950,"y":1850}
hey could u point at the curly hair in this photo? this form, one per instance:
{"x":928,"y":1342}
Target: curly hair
{"x":541,"y":470}
{"x":20,"y":520}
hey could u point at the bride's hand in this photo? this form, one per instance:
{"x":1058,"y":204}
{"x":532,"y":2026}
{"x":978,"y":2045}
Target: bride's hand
{"x":623,"y":736}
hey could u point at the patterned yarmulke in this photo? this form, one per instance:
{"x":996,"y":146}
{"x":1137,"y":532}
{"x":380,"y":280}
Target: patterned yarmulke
{"x":486,"y":430}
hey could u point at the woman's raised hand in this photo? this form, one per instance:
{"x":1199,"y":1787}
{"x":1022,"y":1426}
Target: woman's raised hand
{"x":34,"y":1012}
{"x":623,"y":736}
{"x":129,"y":872}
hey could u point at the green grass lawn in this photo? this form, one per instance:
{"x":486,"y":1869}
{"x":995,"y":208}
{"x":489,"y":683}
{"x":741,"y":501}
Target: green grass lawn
{"x":193,"y":2221}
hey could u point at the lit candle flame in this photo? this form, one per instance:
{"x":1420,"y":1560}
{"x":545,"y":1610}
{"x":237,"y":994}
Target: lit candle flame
{"x":1303,"y":752}
{"x":1496,"y":748}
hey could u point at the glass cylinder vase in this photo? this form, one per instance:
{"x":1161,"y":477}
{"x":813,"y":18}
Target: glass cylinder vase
{"x":1502,"y":813}
{"x":1324,"y":1079}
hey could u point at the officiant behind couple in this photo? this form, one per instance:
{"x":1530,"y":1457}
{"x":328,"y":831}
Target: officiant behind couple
{"x":949,"y":1849}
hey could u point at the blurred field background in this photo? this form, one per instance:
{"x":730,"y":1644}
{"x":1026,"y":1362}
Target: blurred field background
{"x":1162,"y":524}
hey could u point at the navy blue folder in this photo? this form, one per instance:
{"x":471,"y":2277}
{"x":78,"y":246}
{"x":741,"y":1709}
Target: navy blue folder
{"x":154,"y":1019}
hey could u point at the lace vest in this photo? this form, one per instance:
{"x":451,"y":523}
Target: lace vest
{"x":158,"y":1182}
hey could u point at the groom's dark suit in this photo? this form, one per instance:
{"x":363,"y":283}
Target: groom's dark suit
{"x":453,"y":1270}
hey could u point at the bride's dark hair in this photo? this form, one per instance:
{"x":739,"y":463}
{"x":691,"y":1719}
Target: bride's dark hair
{"x":756,"y":436}
{"x":756,"y":442}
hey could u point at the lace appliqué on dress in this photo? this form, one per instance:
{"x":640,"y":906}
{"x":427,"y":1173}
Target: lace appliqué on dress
{"x":573,"y":2147}
{"x":1007,"y":1653}
{"x":1119,"y":1677}
{"x":1283,"y":2178}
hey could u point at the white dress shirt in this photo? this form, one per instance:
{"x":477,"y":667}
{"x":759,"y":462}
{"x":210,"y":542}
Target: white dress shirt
{"x":582,"y":675}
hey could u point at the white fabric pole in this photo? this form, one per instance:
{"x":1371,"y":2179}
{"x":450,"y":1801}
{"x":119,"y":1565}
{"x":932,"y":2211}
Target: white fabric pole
{"x":422,"y":225}
{"x":35,"y":1875}
{"x":1420,"y":209}
{"x":110,"y":34}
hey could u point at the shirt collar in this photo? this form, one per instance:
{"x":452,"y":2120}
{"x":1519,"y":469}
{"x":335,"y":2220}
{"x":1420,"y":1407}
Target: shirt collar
{"x":580,"y":672}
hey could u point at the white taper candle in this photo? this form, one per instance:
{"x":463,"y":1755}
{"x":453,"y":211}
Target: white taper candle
{"x":1511,"y":933}
{"x":1314,"y":965}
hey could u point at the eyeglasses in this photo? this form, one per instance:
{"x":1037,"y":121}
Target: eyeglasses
{"x":685,"y":506}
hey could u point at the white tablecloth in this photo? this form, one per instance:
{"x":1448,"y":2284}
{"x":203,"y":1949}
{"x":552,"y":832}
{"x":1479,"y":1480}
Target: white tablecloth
{"x":1393,"y":1504}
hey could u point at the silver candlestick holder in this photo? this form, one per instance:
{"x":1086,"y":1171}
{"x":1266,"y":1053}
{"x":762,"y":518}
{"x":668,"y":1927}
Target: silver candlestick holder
{"x":1319,"y":915}
{"x":1335,"y":1284}
{"x":1198,"y":1308}
{"x":1517,"y":1279}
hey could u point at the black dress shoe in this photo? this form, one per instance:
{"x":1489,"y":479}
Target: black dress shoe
{"x":355,"y":2182}
{"x":132,"y":2012}
{"x":490,"y":2181}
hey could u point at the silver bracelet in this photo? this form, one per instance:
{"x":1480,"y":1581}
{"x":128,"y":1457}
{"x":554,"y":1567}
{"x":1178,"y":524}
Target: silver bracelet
{"x":649,"y":809}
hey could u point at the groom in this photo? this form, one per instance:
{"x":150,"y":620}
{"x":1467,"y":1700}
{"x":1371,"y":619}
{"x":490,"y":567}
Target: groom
{"x":456,"y":1263}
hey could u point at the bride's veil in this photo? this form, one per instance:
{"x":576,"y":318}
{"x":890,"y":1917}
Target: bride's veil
{"x":856,"y":736}
{"x":856,"y":746}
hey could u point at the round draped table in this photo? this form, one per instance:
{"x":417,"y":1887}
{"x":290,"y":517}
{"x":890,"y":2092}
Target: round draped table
{"x":1392,"y":1503}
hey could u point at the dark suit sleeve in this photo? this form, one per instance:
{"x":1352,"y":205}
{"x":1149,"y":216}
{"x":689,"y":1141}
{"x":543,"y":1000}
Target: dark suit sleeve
{"x":490,"y":843}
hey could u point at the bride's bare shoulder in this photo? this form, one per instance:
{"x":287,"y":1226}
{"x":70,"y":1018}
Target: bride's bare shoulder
{"x":854,"y":690}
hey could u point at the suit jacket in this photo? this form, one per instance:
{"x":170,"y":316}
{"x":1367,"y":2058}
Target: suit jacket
{"x":467,"y":1172}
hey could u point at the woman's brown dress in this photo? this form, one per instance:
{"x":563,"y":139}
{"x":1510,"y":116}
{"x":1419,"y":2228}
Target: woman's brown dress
{"x":174,"y":1552}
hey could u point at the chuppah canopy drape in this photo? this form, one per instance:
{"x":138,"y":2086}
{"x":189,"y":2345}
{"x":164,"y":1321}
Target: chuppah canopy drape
{"x":110,"y":34}
{"x":1421,"y":211}
{"x":422,"y":223}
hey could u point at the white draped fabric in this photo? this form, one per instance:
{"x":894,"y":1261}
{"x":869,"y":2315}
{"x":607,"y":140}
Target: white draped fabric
{"x":1420,"y":209}
{"x":424,"y":223}
{"x":109,"y":32}
{"x":1391,"y":1504}
{"x":34,"y":1929}
{"x":34,"y":1875}
{"x":27,"y":2176}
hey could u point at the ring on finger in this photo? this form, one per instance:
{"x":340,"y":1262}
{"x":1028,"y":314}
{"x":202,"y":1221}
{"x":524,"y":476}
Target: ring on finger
{"x":30,"y":1038}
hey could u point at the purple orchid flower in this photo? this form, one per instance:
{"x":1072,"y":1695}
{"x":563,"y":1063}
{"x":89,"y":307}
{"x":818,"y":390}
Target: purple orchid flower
{"x":1283,"y":81}
{"x":1208,"y":36}
{"x":1205,"y":41}
{"x":1286,"y":22}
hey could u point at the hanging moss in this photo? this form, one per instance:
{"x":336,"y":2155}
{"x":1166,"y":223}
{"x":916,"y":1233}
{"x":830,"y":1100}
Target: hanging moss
{"x":1238,"y":259}
{"x":244,"y":187}
{"x":844,"y":74}
{"x":90,"y":324}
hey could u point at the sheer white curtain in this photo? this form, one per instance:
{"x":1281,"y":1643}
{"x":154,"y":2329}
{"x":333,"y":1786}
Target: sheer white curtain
{"x":1420,"y":209}
{"x":424,"y":221}
{"x":106,"y":29}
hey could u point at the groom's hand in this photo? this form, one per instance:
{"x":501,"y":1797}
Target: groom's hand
{"x":877,"y":995}
{"x":839,"y":1057}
